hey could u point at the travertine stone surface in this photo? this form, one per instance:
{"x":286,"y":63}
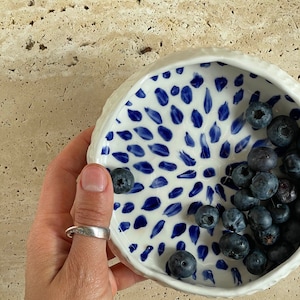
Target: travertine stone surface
{"x":61,"y":59}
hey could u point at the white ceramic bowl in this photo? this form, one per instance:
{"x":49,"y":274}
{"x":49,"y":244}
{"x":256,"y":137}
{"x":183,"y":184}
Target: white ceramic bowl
{"x":178,"y":124}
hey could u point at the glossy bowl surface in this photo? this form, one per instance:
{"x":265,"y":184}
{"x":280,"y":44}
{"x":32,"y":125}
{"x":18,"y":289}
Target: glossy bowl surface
{"x":179,"y":125}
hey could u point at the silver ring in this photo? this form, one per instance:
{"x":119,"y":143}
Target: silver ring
{"x":92,"y":231}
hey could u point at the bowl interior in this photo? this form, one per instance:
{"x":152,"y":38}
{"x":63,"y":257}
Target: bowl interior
{"x":179,"y":131}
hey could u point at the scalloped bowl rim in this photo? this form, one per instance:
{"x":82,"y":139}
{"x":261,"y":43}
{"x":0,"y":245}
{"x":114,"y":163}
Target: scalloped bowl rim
{"x":115,"y":102}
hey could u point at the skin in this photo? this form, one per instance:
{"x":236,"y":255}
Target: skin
{"x":73,"y":193}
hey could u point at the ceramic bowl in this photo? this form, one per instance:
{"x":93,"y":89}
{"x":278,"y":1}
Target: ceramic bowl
{"x":178,"y":125}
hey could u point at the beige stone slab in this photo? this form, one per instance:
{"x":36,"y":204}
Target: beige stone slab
{"x":60,"y":60}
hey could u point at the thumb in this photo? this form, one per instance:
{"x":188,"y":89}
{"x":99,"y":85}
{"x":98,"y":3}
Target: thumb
{"x":92,"y":207}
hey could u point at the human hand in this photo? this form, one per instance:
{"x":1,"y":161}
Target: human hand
{"x":73,"y":193}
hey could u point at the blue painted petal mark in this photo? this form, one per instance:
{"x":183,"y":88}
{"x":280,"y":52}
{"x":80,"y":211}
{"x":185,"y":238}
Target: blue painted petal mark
{"x":136,"y":150}
{"x":220,"y":83}
{"x":180,"y":245}
{"x":144,"y":133}
{"x":194,"y":207}
{"x":207,"y":101}
{"x":239,"y":80}
{"x":137,"y":187}
{"x":165,"y":133}
{"x":132,"y":247}
{"x":146,"y":253}
{"x":175,"y":192}
{"x":209,"y":172}
{"x":221,"y":264}
{"x":116,"y":205}
{"x":197,"y":188}
{"x":121,"y":156}
{"x":197,"y":81}
{"x":215,"y":248}
{"x":225,"y":150}
{"x":196,"y":118}
{"x":208,"y":275}
{"x":242,"y":144}
{"x":210,"y":231}
{"x":220,"y":191}
{"x":176,"y":115}
{"x":109,"y":136}
{"x":252,"y":75}
{"x":134,"y":115}
{"x":237,"y":278}
{"x":220,"y":208}
{"x":166,"y":74}
{"x":161,"y":248}
{"x":205,"y":65}
{"x":158,"y":182}
{"x":238,"y":124}
{"x":202,"y":251}
{"x":167,"y":166}
{"x":189,"y":140}
{"x":140,"y":222}
{"x":128,"y":208}
{"x":174,"y":90}
{"x":140,"y":94}
{"x":187,"y":174}
{"x":227,"y":181}
{"x":143,"y":167}
{"x":159,"y":149}
{"x":173,"y":209}
{"x":289,"y":98}
{"x":118,"y":121}
{"x":187,"y":159}
{"x":125,"y":135}
{"x":194,"y":232}
{"x":223,"y":111}
{"x":151,"y":203}
{"x":162,"y":96}
{"x":154,"y":115}
{"x":261,"y":143}
{"x":128,"y":103}
{"x":154,"y":78}
{"x":210,"y":194}
{"x":215,"y":133}
{"x":273,"y":100}
{"x":178,"y":230}
{"x":205,"y":152}
{"x":255,"y":97}
{"x":157,"y":228}
{"x":221,"y":63}
{"x":179,"y":70}
{"x":238,"y":96}
{"x":105,"y":150}
{"x":124,"y":226}
{"x":295,"y":114}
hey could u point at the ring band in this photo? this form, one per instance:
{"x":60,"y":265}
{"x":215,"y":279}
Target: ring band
{"x":92,"y":231}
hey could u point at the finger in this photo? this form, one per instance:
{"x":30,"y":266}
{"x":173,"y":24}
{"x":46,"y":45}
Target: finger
{"x":59,"y":186}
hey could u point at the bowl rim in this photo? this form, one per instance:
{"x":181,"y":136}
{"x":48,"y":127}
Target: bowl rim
{"x":116,"y":101}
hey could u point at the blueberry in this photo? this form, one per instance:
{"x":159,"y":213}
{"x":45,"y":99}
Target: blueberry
{"x":259,"y":114}
{"x":282,"y":131}
{"x":244,"y":200}
{"x":207,"y":216}
{"x":234,"y":220}
{"x":268,"y":236}
{"x":264,"y":185}
{"x":290,"y":231}
{"x":256,"y":262}
{"x":122,"y":180}
{"x":242,"y":175}
{"x":262,"y":159}
{"x":259,"y":218}
{"x":295,"y":207}
{"x":182,"y":264}
{"x":280,"y":252}
{"x":280,"y":212}
{"x":286,"y":192}
{"x":291,"y":164}
{"x":234,"y":245}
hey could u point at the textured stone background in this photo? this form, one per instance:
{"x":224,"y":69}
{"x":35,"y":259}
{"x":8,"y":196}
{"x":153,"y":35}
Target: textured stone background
{"x":60,"y":60}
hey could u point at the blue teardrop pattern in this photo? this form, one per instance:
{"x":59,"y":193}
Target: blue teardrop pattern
{"x":237,"y":278}
{"x":159,"y":149}
{"x":134,"y":115}
{"x":144,"y":133}
{"x":197,"y":188}
{"x":208,"y":275}
{"x":124,"y":226}
{"x":161,"y":96}
{"x":178,"y":230}
{"x":105,"y":150}
{"x":289,"y":98}
{"x":205,"y":151}
{"x":144,"y":167}
{"x":140,"y":94}
{"x":133,"y":247}
{"x":215,"y":133}
{"x":207,"y":101}
{"x":242,"y":144}
{"x":220,"y":83}
{"x":157,"y":228}
{"x":209,"y":172}
{"x":151,"y":203}
{"x":239,"y":80}
{"x":255,"y":97}
{"x":154,"y":115}
{"x":161,"y":248}
{"x":186,"y":94}
{"x":159,"y":182}
{"x":180,"y":245}
{"x":196,"y":118}
{"x":225,"y":150}
{"x":166,"y":74}
{"x":220,"y":191}
{"x":121,"y":156}
{"x":125,"y":135}
{"x":221,"y":264}
{"x":197,"y":81}
{"x":238,"y":124}
{"x":175,"y":90}
{"x":140,"y":222}
{"x":223,"y":112}
{"x":215,"y":248}
{"x":136,"y":150}
{"x":109,"y":136}
{"x":176,"y":192}
{"x":189,"y":174}
{"x":179,"y":70}
{"x":128,"y":208}
{"x":165,"y":133}
{"x":167,"y":166}
{"x":117,"y":205}
{"x":238,"y":97}
{"x":194,"y":232}
{"x":176,"y":115}
{"x":137,"y":187}
{"x":173,"y":209}
{"x":146,"y":253}
{"x":273,"y":100}
{"x":210,"y":194}
{"x":187,"y":159}
{"x":194,"y":207}
{"x":202,"y":251}
{"x":189,"y":141}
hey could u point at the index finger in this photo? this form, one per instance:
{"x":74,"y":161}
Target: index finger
{"x":59,"y":187}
